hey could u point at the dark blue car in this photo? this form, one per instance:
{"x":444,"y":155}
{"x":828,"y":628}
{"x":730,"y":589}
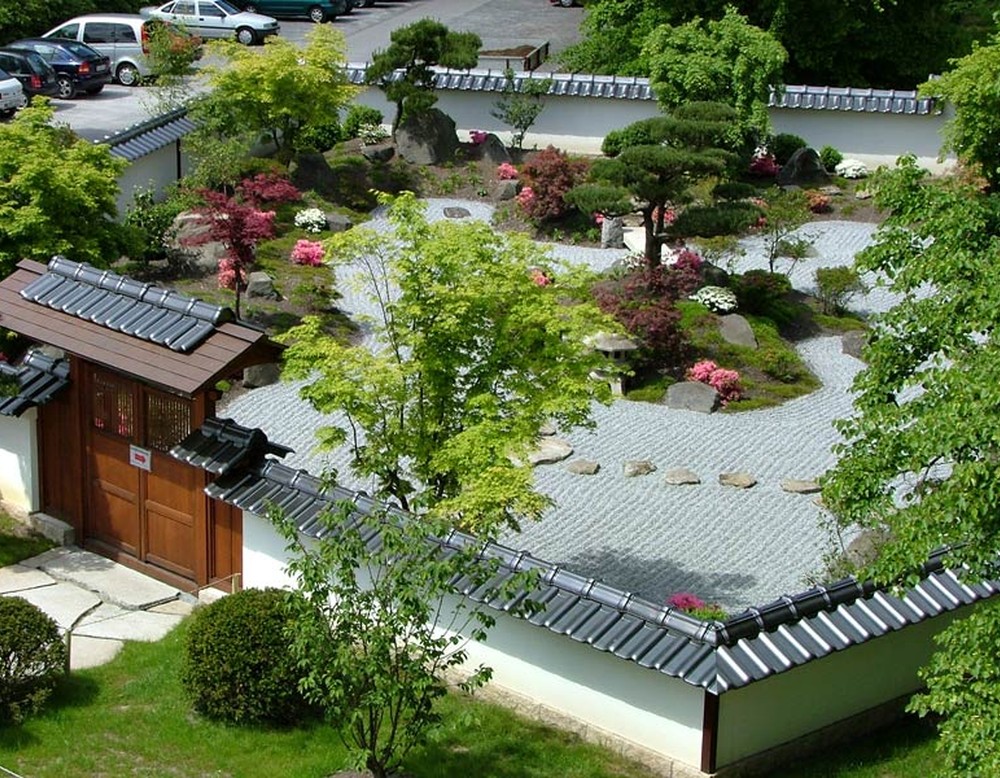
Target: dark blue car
{"x":79,"y":69}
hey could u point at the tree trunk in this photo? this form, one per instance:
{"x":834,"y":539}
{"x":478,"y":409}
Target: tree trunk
{"x":652,"y":240}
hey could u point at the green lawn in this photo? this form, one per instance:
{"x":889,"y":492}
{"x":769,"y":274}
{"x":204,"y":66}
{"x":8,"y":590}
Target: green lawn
{"x":17,"y":543}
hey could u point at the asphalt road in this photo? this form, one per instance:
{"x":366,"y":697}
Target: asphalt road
{"x":500,"y":23}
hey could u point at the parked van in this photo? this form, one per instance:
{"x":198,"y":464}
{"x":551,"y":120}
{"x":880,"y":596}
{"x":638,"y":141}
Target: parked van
{"x":120,"y":37}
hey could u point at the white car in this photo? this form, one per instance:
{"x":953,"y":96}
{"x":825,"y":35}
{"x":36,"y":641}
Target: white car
{"x":215,"y":19}
{"x":11,"y":94}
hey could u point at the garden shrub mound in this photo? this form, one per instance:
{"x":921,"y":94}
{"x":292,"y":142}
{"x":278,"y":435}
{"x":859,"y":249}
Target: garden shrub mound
{"x":32,"y":658}
{"x":238,"y":666}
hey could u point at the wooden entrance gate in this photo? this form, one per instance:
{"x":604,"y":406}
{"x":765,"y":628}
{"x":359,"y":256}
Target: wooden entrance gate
{"x":142,"y":503}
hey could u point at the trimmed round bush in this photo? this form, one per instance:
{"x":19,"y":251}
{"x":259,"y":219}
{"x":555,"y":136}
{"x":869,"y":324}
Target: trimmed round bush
{"x":237,"y":664}
{"x":32,"y":658}
{"x":734,"y":190}
{"x":758,"y":290}
{"x":830,"y":158}
{"x":359,"y":116}
{"x":783,"y":145}
{"x":709,"y":221}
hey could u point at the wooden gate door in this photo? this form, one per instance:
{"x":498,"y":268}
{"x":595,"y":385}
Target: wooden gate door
{"x":143,"y":504}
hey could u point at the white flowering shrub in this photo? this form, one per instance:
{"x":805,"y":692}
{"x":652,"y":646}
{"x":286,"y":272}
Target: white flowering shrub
{"x":716,"y":298}
{"x":851,"y":168}
{"x":311,"y":220}
{"x":372,"y":134}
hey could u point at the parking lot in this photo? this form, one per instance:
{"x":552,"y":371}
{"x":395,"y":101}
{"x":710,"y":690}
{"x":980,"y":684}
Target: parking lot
{"x":500,"y":23}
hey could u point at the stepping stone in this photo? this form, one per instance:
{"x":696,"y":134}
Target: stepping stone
{"x":17,"y":578}
{"x":455,"y":212}
{"x":130,"y":625}
{"x":87,"y":652}
{"x":174,"y":608}
{"x":796,"y":486}
{"x":550,"y":450}
{"x":680,"y":476}
{"x":583,"y":467}
{"x":63,"y":602}
{"x":636,"y":467}
{"x":737,"y":480}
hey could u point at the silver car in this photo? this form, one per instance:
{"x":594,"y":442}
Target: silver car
{"x":11,"y":94}
{"x":215,"y":19}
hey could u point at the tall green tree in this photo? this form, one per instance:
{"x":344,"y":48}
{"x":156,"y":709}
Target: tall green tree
{"x":416,"y":49}
{"x":971,"y":87}
{"x":661,"y":160}
{"x":919,"y":462}
{"x":281,"y":90}
{"x":58,"y":193}
{"x":470,"y":356}
{"x":726,"y":60}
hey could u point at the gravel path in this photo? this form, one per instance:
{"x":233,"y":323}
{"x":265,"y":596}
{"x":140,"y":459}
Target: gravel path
{"x":731,"y":546}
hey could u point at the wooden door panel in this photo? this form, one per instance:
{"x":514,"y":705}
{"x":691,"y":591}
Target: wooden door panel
{"x":170,"y":506}
{"x":226,"y":539}
{"x":113,"y":517}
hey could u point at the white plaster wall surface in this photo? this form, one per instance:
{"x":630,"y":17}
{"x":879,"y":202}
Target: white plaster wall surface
{"x":786,"y":706}
{"x":19,"y":480}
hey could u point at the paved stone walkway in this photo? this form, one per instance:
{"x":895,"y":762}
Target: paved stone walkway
{"x":737,"y":547}
{"x":99,"y":603}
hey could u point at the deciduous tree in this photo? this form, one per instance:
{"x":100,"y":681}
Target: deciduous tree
{"x":919,"y":462}
{"x":469,"y":357}
{"x":281,"y":90}
{"x":416,"y":49}
{"x":58,"y":193}
{"x":666,"y":155}
{"x":520,"y":104}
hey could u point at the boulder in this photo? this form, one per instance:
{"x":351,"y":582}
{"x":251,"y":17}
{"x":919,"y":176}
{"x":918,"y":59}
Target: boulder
{"x":261,"y":375}
{"x":803,"y":168}
{"x":680,"y":476}
{"x":737,"y":480}
{"x":550,"y":450}
{"x":851,"y":343}
{"x":338,"y":222}
{"x":547,"y":430}
{"x":261,"y":286}
{"x":189,"y":236}
{"x":864,"y":549}
{"x":428,"y":138}
{"x":503,"y":190}
{"x":583,"y":467}
{"x":310,"y":171}
{"x":456,"y":212}
{"x":798,"y":486}
{"x":493,"y":151}
{"x":612,"y":233}
{"x":633,"y":468}
{"x":380,"y":152}
{"x":692,"y":396}
{"x":736,"y":330}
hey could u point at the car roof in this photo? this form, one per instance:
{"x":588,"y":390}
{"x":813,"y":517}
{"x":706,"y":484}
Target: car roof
{"x":62,"y":43}
{"x":110,"y":17}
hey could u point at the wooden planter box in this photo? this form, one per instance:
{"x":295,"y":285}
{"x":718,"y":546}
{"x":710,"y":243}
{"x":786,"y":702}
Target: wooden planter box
{"x":519,"y":56}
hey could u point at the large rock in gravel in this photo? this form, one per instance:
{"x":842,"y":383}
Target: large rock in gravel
{"x":736,"y":330}
{"x":583,"y":467}
{"x":550,"y":450}
{"x":189,"y":232}
{"x":505,"y":189}
{"x":261,"y":375}
{"x":428,"y":138}
{"x":261,"y":286}
{"x":799,"y":486}
{"x":805,"y":169}
{"x":851,"y":343}
{"x":612,"y":233}
{"x":380,"y":152}
{"x":692,"y":396}
{"x":493,"y":151}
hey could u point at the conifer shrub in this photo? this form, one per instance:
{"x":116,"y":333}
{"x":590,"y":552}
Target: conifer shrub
{"x":237,"y":664}
{"x":783,"y":145}
{"x":32,"y":658}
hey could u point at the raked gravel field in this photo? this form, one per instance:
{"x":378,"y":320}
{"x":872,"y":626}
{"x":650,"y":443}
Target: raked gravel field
{"x":735,"y":547}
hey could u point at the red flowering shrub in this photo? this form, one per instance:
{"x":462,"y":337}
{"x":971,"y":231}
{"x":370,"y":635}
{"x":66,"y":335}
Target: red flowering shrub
{"x":765,"y":166}
{"x":550,"y":174}
{"x":817,"y":201}
{"x":644,"y":303}
{"x":688,"y":261}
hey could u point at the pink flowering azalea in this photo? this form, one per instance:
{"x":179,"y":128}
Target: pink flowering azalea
{"x":308,"y":252}
{"x":685,"y":601}
{"x":540,"y":277}
{"x":598,"y":218}
{"x":506,"y":172}
{"x":525,"y":197}
{"x":687,"y":260}
{"x":227,"y":273}
{"x":725,"y":382}
{"x":478,"y":136}
{"x":702,"y":371}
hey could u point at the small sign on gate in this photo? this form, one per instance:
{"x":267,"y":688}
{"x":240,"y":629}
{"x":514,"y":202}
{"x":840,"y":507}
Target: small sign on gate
{"x":140,"y":457}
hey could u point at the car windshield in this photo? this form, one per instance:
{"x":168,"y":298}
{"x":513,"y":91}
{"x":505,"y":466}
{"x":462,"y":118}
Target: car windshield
{"x":227,"y":7}
{"x":38,"y":65}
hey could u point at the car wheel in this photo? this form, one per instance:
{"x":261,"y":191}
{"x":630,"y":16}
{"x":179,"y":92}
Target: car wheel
{"x":66,"y":90}
{"x":246,"y":36}
{"x":127,"y":74}
{"x":25,"y":101}
{"x":8,"y":114}
{"x":317,"y":14}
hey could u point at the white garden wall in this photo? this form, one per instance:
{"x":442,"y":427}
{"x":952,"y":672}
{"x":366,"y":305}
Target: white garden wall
{"x":157,"y":171}
{"x":579,"y":124}
{"x":792,"y":704}
{"x":19,"y":476}
{"x":605,"y":698}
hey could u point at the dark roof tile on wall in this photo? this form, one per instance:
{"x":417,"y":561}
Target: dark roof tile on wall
{"x":831,"y":98}
{"x":39,"y":378}
{"x":161,"y":316}
{"x":142,"y":139}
